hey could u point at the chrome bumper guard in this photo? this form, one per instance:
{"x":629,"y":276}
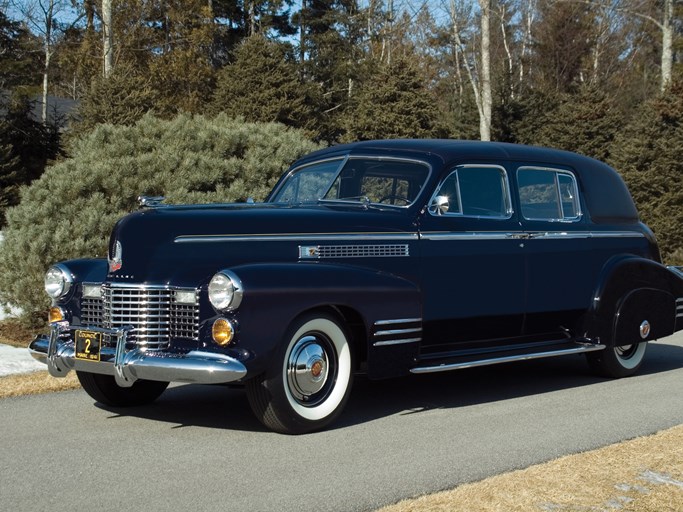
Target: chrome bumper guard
{"x":58,"y":352}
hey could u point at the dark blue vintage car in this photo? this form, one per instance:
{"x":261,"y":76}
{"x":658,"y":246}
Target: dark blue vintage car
{"x":387,"y":257}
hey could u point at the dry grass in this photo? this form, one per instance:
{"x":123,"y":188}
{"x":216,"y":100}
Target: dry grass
{"x":13,"y":332}
{"x":36,"y":383}
{"x":641,"y":475}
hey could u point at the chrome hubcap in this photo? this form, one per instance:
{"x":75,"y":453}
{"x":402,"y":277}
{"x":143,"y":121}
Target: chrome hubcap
{"x":308,"y":370}
{"x":626,"y":351}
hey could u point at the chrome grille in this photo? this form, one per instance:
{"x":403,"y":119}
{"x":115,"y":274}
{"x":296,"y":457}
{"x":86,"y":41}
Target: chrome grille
{"x":184,"y":321}
{"x":92,"y":311}
{"x":153,"y":313}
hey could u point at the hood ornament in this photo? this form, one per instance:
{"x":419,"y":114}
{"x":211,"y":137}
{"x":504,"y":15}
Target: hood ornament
{"x":116,"y":260}
{"x":150,"y":201}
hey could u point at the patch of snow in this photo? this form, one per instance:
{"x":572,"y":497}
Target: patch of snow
{"x":15,"y":360}
{"x":660,"y":478}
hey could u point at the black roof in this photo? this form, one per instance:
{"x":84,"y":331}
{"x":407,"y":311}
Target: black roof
{"x":605,"y":192}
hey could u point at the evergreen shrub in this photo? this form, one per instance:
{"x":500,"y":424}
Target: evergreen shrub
{"x":70,"y":211}
{"x":647,"y":152}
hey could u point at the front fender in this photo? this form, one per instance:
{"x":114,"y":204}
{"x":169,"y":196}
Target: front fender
{"x":274,"y":295}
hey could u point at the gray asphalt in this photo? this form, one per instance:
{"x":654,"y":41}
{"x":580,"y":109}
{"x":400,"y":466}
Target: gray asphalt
{"x":199,"y":447}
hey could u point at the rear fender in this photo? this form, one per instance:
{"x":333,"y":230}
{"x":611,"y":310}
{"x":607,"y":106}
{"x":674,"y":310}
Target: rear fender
{"x":633,"y":291}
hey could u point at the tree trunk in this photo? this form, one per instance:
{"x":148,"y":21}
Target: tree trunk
{"x":108,"y":38}
{"x":302,"y":33}
{"x":667,"y":44}
{"x":486,"y":97}
{"x":49,"y":13}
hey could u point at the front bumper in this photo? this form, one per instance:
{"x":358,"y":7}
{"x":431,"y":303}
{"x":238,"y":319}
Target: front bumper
{"x":58,"y":352}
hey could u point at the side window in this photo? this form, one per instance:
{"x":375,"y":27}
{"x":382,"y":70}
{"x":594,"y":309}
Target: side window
{"x":474,"y":191}
{"x":548,"y":194}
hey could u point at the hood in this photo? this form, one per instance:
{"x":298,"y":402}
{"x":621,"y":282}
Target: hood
{"x":184,"y":245}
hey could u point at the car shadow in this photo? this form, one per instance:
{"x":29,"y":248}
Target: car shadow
{"x":223,"y":407}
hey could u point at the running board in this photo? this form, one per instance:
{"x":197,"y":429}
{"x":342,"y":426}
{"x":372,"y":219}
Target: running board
{"x":445,"y":367}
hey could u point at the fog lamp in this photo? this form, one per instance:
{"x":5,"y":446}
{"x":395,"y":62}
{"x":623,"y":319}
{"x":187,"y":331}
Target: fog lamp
{"x":56,"y":315}
{"x":92,"y":291}
{"x":222,"y":331}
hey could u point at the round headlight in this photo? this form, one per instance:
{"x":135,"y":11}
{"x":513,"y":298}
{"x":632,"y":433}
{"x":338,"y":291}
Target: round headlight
{"x":57,"y":281}
{"x":225,"y":291}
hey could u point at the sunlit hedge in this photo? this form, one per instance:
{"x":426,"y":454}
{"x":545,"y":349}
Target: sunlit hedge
{"x":70,"y":210}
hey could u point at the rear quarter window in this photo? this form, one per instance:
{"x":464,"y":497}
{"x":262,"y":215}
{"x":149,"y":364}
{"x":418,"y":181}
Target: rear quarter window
{"x":548,"y":194}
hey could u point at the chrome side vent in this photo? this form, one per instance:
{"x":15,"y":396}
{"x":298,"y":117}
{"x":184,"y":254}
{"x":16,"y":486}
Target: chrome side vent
{"x":353,"y":251}
{"x":397,"y":332}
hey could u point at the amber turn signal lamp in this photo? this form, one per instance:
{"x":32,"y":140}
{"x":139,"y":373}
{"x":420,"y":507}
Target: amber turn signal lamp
{"x":55,"y":315}
{"x":222,"y":332}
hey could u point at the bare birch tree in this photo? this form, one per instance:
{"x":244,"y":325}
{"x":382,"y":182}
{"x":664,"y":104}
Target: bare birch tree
{"x":40,"y":16}
{"x":107,"y":38}
{"x":477,"y":64}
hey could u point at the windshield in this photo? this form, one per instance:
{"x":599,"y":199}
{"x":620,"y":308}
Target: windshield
{"x":358,"y":179}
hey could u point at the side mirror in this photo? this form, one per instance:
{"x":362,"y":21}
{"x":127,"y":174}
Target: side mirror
{"x":439,"y":205}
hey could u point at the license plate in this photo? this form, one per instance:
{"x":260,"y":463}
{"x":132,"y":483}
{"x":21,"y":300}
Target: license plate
{"x":88,"y":345}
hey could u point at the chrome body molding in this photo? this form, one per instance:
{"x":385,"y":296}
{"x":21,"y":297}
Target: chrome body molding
{"x":679,"y":308}
{"x":506,"y":359}
{"x":545,"y":235}
{"x":399,"y":331}
{"x":127,"y":366}
{"x":676,"y":270}
{"x":398,"y":321}
{"x":297,"y":237}
{"x":353,"y":251}
{"x":396,"y":342}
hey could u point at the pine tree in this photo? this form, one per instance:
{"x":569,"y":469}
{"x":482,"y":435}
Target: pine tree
{"x":122,"y":98}
{"x":585,"y":122}
{"x":329,"y":53}
{"x":647,"y":152}
{"x":181,"y":73}
{"x":9,"y":173}
{"x":27,"y":147}
{"x":563,"y":39}
{"x":263,"y":85}
{"x":392,"y":103}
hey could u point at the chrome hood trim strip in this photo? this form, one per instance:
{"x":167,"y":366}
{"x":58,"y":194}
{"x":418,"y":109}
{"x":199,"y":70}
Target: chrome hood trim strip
{"x":295,"y":237}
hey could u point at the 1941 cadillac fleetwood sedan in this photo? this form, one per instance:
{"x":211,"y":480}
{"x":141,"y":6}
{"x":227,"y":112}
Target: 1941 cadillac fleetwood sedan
{"x":386,"y":257}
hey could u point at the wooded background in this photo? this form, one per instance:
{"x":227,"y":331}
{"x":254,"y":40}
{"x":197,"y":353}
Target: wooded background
{"x":598,"y":77}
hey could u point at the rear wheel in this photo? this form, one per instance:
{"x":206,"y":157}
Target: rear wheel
{"x":618,"y":362}
{"x":104,"y":389}
{"x":308,"y":383}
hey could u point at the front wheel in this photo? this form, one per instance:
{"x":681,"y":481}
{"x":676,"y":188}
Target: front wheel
{"x":308,"y":383}
{"x":104,"y":389}
{"x":617,"y":362}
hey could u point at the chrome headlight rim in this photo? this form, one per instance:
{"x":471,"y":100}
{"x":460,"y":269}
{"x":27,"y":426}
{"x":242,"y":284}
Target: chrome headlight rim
{"x":225,"y":291}
{"x":58,"y":281}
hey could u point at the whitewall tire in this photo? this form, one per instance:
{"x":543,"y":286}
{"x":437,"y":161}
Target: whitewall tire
{"x":308,"y":384}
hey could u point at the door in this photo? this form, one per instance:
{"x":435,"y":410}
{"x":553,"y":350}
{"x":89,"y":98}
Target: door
{"x":564,"y":256}
{"x":472,"y":261}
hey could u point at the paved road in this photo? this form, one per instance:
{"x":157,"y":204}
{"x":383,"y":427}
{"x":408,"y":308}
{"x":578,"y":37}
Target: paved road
{"x":199,"y":448}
